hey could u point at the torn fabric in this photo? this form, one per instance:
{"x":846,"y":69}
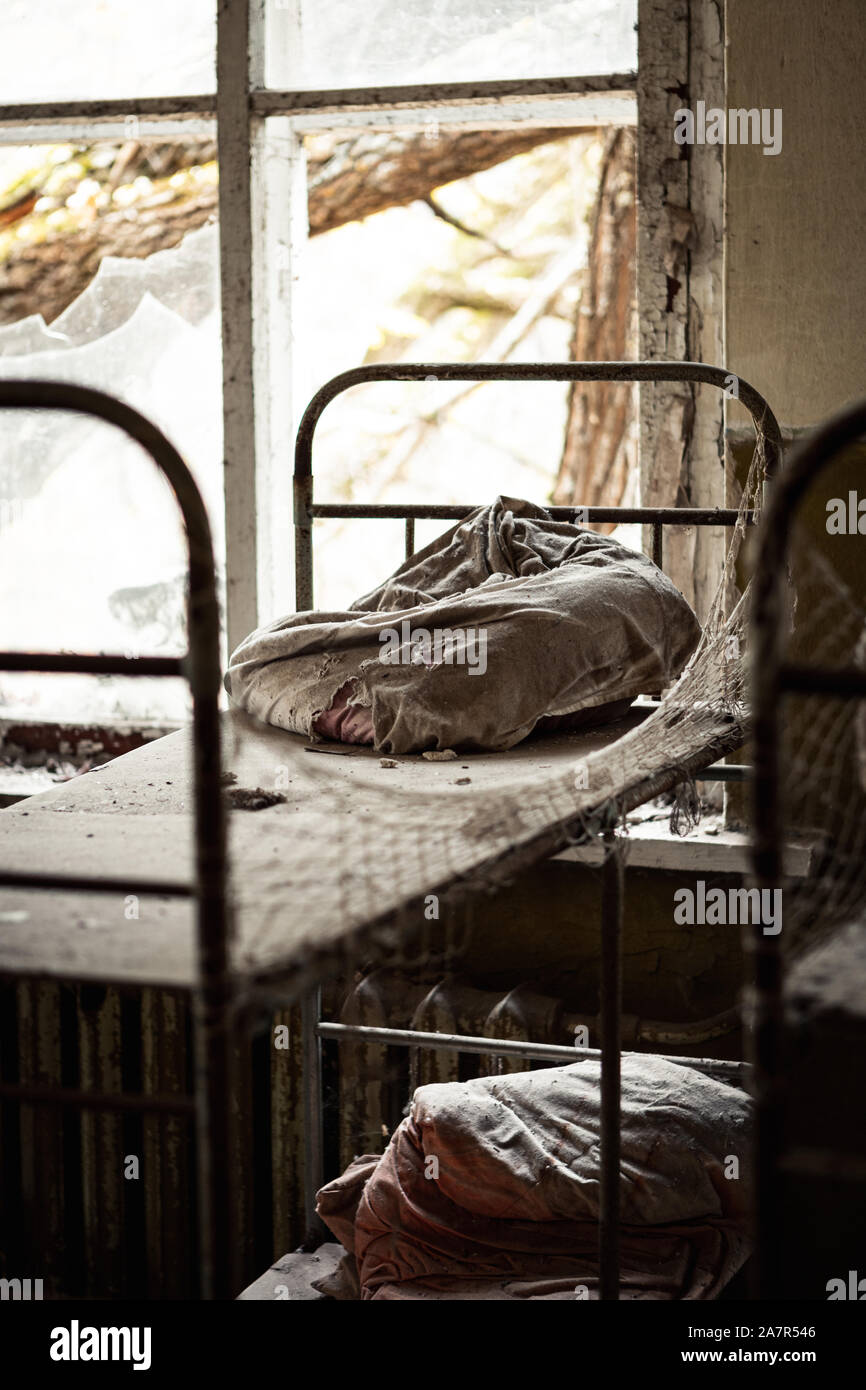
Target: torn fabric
{"x":506,"y":619}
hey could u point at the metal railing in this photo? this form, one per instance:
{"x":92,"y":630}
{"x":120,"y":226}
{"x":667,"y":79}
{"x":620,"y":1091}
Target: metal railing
{"x":307,"y":509}
{"x":201,"y":668}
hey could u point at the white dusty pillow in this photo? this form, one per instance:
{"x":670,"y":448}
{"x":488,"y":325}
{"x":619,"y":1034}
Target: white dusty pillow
{"x":506,"y":619}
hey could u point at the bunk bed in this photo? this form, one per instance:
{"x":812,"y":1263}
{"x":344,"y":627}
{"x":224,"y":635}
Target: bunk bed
{"x":301,"y":899}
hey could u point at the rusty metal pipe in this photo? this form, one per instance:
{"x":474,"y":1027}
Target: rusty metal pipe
{"x":458,"y":511}
{"x":611,"y":1058}
{"x":314,"y":1159}
{"x":544,"y":1052}
{"x":202,"y":668}
{"x":72,"y":663}
{"x":82,"y":883}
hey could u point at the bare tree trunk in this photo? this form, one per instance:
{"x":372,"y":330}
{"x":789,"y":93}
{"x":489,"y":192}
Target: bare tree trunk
{"x":45,"y":277}
{"x":376,"y":170}
{"x":600,"y":448}
{"x":348,"y":178}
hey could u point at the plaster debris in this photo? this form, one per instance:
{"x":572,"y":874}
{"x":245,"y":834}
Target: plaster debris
{"x":244,"y":799}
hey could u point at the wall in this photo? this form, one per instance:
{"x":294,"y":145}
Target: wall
{"x":795,"y":272}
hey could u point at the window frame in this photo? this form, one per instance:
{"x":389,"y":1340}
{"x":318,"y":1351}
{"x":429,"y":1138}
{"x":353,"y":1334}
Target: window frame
{"x":262,"y":211}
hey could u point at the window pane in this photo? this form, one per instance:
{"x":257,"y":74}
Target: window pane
{"x":92,"y":554}
{"x":339,"y":43}
{"x":407,"y":285}
{"x":75,"y":50}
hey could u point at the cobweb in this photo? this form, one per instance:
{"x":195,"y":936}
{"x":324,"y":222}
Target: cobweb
{"x":705,"y":715}
{"x":823,"y":739}
{"x":822,"y":787}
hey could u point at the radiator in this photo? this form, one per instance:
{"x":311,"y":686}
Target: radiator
{"x":376,"y":1081}
{"x":102,"y":1205}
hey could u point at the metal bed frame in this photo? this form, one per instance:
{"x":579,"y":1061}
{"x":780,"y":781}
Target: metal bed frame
{"x":201,"y":668}
{"x":217,"y":1013}
{"x":774,"y":677}
{"x":314,"y":1029}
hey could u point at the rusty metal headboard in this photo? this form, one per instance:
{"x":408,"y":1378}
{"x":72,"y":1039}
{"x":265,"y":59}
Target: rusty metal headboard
{"x":201,"y":667}
{"x":307,"y":509}
{"x":773,"y":677}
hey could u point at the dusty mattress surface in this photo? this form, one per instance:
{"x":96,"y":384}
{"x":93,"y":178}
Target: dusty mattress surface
{"x":304,"y":884}
{"x":507,"y":618}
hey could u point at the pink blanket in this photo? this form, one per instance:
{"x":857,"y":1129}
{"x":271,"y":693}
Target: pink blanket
{"x":489,"y":1189}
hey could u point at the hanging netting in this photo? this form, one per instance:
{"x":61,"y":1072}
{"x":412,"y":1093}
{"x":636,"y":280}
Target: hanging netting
{"x":705,"y":716}
{"x":823,"y":739}
{"x":822,"y":753}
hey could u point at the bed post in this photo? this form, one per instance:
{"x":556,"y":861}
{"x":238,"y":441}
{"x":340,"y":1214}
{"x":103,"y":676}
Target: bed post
{"x":611,"y":1050}
{"x":314,"y":1158}
{"x":201,"y":667}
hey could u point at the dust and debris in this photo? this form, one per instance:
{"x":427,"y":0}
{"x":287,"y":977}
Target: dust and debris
{"x":462,"y":781}
{"x":387,"y":762}
{"x":255,"y":799}
{"x":434,"y":756}
{"x":226,"y":778}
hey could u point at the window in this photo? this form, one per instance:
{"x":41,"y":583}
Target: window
{"x":91,"y":548}
{"x":222,"y":336}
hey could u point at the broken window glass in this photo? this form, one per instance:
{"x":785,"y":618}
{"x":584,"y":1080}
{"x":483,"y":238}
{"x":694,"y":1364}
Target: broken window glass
{"x":92,"y":555}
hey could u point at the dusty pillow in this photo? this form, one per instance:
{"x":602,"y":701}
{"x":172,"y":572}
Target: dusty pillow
{"x":506,"y":619}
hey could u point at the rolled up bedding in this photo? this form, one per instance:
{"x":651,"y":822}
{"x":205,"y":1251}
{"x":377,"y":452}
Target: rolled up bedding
{"x":508,"y":619}
{"x":490,"y":1189}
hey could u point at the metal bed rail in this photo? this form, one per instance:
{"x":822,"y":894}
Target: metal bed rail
{"x":306,"y":510}
{"x":773,"y":678}
{"x":201,"y":668}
